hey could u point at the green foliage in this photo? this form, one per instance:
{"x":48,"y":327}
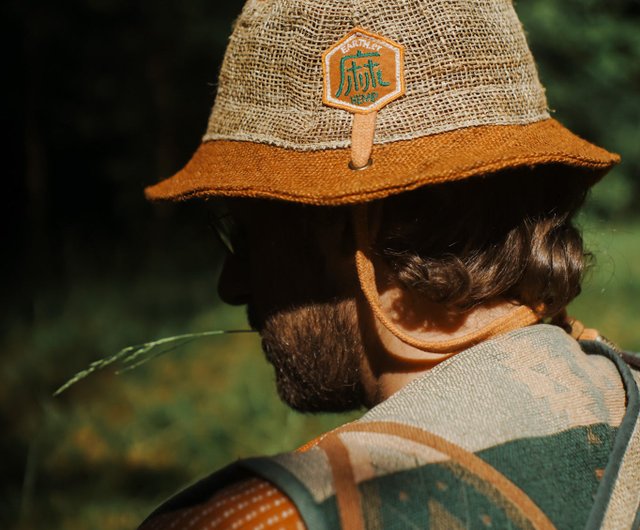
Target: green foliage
{"x":610,"y":300}
{"x":588,"y":54}
{"x":111,"y":447}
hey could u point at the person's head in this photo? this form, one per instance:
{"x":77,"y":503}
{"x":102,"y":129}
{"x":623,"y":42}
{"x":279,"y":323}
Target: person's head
{"x":440,"y":252}
{"x":432,"y":115}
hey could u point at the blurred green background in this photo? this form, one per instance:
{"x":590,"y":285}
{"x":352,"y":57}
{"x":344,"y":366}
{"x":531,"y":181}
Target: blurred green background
{"x":103,"y":97}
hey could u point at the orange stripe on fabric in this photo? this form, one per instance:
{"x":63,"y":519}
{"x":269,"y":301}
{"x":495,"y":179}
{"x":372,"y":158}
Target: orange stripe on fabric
{"x":252,"y":504}
{"x":344,"y":483}
{"x":466,"y":459}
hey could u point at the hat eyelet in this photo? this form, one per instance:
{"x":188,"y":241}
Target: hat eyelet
{"x":360,"y":168}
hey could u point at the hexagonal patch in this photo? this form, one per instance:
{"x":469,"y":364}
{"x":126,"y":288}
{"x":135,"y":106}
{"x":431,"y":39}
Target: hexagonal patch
{"x":363,"y":72}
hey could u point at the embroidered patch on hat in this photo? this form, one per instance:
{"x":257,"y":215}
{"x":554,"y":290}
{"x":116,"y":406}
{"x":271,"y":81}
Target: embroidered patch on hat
{"x":363,"y":72}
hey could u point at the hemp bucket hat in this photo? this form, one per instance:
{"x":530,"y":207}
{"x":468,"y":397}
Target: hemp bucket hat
{"x":332,"y":102}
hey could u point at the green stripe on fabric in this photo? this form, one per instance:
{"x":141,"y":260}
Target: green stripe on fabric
{"x":324,"y":517}
{"x":433,"y":496}
{"x":624,"y":432}
{"x":558,"y":472}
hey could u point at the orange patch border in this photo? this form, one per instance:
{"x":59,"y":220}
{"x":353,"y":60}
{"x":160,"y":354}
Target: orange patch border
{"x":384,"y":101}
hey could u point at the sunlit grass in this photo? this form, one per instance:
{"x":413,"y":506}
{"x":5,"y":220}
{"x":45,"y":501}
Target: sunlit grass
{"x":610,"y":300}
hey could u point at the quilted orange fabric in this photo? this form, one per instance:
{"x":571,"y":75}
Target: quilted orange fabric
{"x":251,"y":504}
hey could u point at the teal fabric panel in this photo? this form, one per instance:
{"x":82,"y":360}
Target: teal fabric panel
{"x":559,"y":473}
{"x":434,"y":496}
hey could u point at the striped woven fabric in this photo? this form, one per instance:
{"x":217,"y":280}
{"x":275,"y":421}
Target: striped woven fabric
{"x":526,"y":430}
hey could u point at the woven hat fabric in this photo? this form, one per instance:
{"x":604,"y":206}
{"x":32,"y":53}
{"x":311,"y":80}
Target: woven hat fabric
{"x":466,"y":63}
{"x":467,"y":70}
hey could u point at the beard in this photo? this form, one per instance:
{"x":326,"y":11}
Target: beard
{"x":316,"y":351}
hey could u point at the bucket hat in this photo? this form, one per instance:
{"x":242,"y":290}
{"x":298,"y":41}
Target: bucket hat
{"x":332,"y":102}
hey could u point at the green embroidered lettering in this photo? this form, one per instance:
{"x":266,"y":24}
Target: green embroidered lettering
{"x":382,"y":83}
{"x":356,"y":80}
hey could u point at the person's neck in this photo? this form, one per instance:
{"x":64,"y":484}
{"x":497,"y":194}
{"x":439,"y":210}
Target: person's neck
{"x":391,"y":364}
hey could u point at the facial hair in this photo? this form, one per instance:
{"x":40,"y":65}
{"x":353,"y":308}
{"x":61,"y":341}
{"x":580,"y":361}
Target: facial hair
{"x":316,"y":351}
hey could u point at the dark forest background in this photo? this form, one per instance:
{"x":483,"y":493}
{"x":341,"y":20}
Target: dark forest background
{"x":104,"y":97}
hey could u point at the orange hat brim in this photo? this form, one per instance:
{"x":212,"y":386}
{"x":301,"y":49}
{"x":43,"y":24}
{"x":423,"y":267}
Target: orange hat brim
{"x":229,"y":168}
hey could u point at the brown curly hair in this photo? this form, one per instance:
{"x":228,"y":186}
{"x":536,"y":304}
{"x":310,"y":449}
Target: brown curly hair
{"x":508,"y":235}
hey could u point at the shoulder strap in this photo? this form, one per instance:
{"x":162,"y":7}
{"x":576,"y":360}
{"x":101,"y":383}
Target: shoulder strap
{"x":617,"y":502}
{"x":632,"y":359}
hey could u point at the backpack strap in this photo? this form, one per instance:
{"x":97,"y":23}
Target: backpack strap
{"x":617,"y":502}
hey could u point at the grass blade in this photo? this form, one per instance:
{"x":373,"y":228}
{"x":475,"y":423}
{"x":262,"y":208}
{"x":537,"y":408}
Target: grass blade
{"x":133,"y":356}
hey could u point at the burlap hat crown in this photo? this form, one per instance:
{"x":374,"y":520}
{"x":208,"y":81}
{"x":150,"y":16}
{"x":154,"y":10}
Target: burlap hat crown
{"x":467,"y":102}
